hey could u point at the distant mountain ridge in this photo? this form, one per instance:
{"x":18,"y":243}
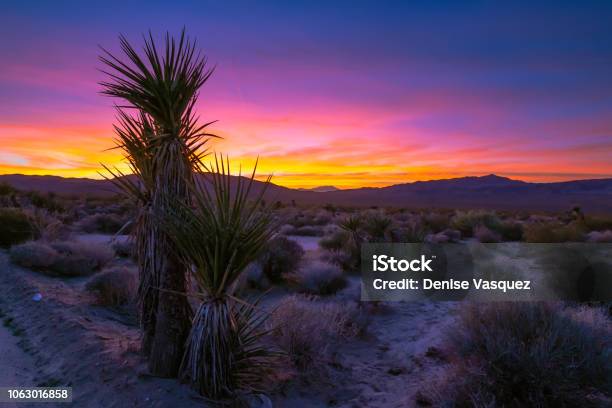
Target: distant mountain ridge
{"x":488,"y":192}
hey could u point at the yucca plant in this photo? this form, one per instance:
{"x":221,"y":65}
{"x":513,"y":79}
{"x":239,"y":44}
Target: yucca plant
{"x":163,"y":144}
{"x":224,"y":230}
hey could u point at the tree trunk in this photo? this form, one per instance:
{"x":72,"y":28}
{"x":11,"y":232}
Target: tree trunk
{"x":173,"y":321}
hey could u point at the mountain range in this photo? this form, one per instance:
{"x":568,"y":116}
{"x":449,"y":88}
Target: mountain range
{"x":487,"y":192}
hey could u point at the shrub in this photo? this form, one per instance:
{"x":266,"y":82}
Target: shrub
{"x":320,"y":278}
{"x":335,"y":241}
{"x":467,"y":221}
{"x":527,"y":354}
{"x":281,"y":256}
{"x":44,"y":201}
{"x":306,"y":328}
{"x":598,"y":222}
{"x":114,"y":286}
{"x":15,"y":227}
{"x":63,"y":258}
{"x":549,"y":232}
{"x":510,"y":230}
{"x":436,"y":221}
{"x":378,"y":227}
{"x":34,"y":255}
{"x":484,"y":234}
{"x":597,"y":236}
{"x":102,"y":223}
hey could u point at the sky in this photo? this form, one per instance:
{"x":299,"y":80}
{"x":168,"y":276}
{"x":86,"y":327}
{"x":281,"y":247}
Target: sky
{"x":330,"y":93}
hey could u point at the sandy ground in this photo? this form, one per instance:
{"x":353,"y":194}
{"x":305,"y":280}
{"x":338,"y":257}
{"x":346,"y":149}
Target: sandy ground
{"x":94,"y":350}
{"x":16,"y":367}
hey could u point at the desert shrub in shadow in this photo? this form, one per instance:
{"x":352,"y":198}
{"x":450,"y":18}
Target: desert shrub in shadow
{"x":485,"y":235}
{"x":102,"y":223}
{"x":599,"y":237}
{"x":319,"y":278}
{"x":378,"y":227}
{"x":551,"y":232}
{"x":335,"y":241}
{"x":114,"y":286}
{"x":598,"y":222}
{"x":15,"y":227}
{"x":466,"y":221}
{"x":436,"y":221}
{"x":64,"y":258}
{"x":281,"y":256}
{"x":308,"y":329}
{"x":510,"y":230}
{"x":34,"y":255}
{"x":47,"y":202}
{"x":527,"y":354}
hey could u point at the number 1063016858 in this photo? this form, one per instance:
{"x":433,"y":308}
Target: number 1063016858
{"x":36,"y":394}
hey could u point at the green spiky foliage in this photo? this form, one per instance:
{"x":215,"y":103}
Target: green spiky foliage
{"x":163,"y":144}
{"x":224,"y":231}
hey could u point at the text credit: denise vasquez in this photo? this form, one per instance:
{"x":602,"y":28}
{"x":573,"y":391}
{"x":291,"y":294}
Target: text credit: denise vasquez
{"x":450,"y":284}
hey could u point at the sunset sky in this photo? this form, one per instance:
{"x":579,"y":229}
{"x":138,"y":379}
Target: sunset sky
{"x":349,"y":94}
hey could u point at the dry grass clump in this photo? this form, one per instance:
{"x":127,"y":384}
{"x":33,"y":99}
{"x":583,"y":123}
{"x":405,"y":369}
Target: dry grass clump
{"x":64,"y":258}
{"x":308,"y":329}
{"x":320,"y":278}
{"x":281,"y":256}
{"x":114,"y":286}
{"x":34,"y":255}
{"x":553,"y":232}
{"x":15,"y":227}
{"x":466,"y":221}
{"x":102,"y":223}
{"x":527,"y":354}
{"x":600,"y":237}
{"x":484,"y":234}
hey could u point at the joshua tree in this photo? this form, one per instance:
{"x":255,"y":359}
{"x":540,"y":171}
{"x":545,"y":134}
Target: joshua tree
{"x":163,"y":144}
{"x":218,"y":236}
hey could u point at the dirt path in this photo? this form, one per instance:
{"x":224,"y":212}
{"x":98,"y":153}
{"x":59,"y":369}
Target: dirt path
{"x":16,"y":367}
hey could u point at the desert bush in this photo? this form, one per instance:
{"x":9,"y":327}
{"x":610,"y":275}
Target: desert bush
{"x":281,"y":256}
{"x":378,"y":227}
{"x":320,"y":278}
{"x":484,"y":234}
{"x":307,"y":329}
{"x":466,"y":221}
{"x":597,"y":236}
{"x":435,"y":221}
{"x":335,"y":241}
{"x":62,"y":258}
{"x":527,"y":354}
{"x":114,"y":286}
{"x":44,"y":201}
{"x":48,"y":227}
{"x":79,"y":258}
{"x":510,"y":230}
{"x":34,"y":255}
{"x":102,"y":223}
{"x":550,"y":232}
{"x":412,"y":230}
{"x":15,"y":227}
{"x":598,"y":222}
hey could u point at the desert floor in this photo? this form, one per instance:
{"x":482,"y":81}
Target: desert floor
{"x":94,"y":350}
